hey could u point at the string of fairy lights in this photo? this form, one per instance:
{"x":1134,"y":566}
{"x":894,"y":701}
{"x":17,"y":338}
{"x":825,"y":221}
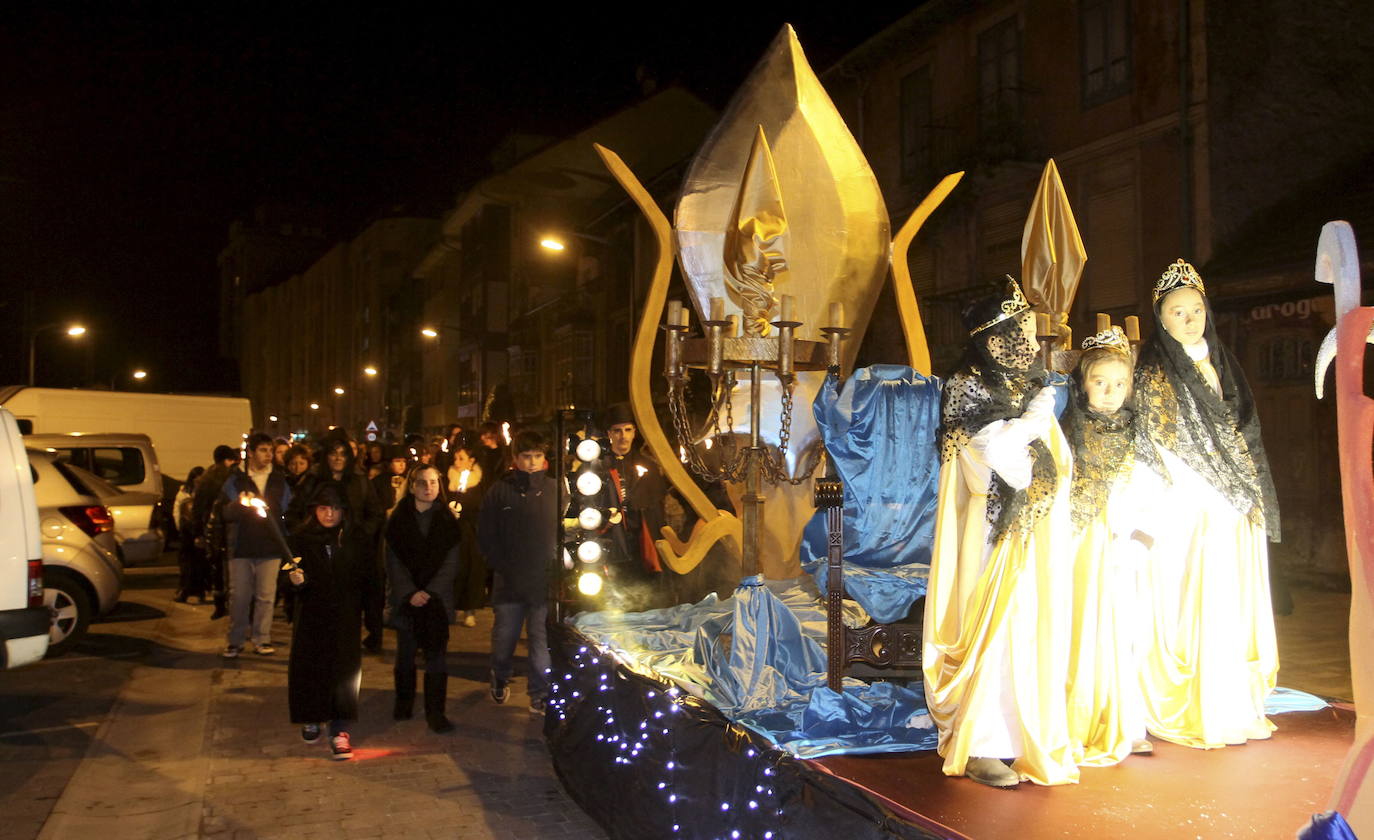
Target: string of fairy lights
{"x":625,"y":741}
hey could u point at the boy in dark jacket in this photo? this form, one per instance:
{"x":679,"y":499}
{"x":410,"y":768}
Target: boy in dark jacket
{"x":517,"y":532}
{"x":254,"y":499}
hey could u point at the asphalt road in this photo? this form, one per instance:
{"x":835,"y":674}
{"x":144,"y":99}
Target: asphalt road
{"x":50,"y":710}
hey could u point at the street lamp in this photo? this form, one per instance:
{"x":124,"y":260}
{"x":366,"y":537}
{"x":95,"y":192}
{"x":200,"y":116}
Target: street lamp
{"x":72,"y":330}
{"x":140,"y":374}
{"x":370,"y":370}
{"x":314,"y":406}
{"x":552,"y":243}
{"x":338,"y":390}
{"x":429,"y":332}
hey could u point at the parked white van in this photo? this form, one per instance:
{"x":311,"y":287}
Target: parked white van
{"x":24,"y":620}
{"x":184,"y":428}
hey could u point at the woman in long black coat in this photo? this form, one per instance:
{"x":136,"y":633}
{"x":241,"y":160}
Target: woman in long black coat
{"x":422,"y":539}
{"x":326,"y":656}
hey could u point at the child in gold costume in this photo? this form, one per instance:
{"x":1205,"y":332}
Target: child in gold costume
{"x":1108,"y":501}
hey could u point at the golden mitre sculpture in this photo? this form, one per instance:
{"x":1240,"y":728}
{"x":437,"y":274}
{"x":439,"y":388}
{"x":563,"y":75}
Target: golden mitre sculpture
{"x":779,"y":202}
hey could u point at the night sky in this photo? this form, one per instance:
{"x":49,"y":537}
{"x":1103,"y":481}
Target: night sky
{"x":132,"y":134}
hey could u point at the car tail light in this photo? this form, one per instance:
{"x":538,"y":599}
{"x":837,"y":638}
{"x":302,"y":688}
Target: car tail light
{"x":93,"y":519}
{"x":35,"y":583}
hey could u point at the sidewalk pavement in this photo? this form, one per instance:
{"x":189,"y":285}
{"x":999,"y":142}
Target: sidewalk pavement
{"x":199,"y":746}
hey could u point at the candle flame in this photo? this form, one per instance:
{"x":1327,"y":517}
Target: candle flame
{"x":505,"y":431}
{"x":463,"y":480}
{"x":641,"y":469}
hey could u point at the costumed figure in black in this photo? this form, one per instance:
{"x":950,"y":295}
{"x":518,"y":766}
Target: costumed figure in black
{"x":326,"y":659}
{"x":635,"y":489}
{"x":422,"y":538}
{"x":1214,"y":658}
{"x":996,"y":636}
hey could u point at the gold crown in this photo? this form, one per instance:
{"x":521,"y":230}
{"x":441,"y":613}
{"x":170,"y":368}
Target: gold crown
{"x":1180,"y":274}
{"x":1111,"y":338}
{"x":1014,"y":305}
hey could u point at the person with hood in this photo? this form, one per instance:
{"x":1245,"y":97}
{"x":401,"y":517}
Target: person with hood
{"x":325,"y":668}
{"x":1214,"y":657}
{"x":517,"y":533}
{"x":997,"y":632}
{"x":422,"y":539}
{"x":366,"y":516}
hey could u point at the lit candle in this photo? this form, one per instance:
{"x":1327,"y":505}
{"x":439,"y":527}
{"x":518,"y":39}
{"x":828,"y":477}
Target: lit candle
{"x":463,"y":480}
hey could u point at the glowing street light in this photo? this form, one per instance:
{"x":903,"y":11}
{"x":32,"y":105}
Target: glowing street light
{"x":552,"y":243}
{"x":429,"y":332}
{"x":370,"y":370}
{"x":140,"y":374}
{"x":338,"y":390}
{"x":314,"y":406}
{"x":73,"y":330}
{"x":271,"y":418}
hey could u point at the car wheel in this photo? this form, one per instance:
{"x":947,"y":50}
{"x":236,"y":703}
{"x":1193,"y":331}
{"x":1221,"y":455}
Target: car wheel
{"x":71,"y":610}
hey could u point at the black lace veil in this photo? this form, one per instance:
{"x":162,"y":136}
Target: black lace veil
{"x":999,"y":374}
{"x":1218,"y":435}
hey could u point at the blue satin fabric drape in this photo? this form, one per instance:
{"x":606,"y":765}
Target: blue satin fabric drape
{"x":881,"y":431}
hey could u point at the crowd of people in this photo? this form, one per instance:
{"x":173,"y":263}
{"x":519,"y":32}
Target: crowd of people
{"x":350,"y":539}
{"x":1100,"y":562}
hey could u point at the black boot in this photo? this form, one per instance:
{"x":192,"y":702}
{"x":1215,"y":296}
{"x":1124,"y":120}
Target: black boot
{"x":221,"y":610}
{"x":405,"y":695}
{"x":436,"y":693}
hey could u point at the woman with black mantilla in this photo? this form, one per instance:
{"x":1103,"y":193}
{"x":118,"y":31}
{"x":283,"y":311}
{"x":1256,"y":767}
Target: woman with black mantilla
{"x":1215,"y":658}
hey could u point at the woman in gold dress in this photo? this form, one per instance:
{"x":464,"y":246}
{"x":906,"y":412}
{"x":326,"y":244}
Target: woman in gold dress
{"x":1211,"y":659}
{"x":995,"y":652}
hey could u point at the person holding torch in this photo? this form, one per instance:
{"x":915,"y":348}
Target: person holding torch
{"x":255,"y":497}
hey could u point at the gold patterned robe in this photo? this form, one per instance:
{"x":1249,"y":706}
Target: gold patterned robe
{"x":995,"y":653}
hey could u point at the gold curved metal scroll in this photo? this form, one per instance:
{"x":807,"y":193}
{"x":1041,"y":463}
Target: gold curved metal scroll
{"x":714,"y":524}
{"x":917,"y":350}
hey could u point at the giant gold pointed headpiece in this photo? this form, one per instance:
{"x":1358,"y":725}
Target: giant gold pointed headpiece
{"x":778,"y":201}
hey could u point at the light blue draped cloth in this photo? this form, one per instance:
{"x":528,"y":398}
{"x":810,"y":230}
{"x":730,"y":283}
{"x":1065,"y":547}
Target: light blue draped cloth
{"x":759,"y":657}
{"x":882,"y":434}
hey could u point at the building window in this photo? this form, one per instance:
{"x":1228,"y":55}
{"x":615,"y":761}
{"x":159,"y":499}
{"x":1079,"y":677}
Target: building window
{"x":1286,"y":359}
{"x":999,"y":75}
{"x":915,"y":126}
{"x":1106,"y":47}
